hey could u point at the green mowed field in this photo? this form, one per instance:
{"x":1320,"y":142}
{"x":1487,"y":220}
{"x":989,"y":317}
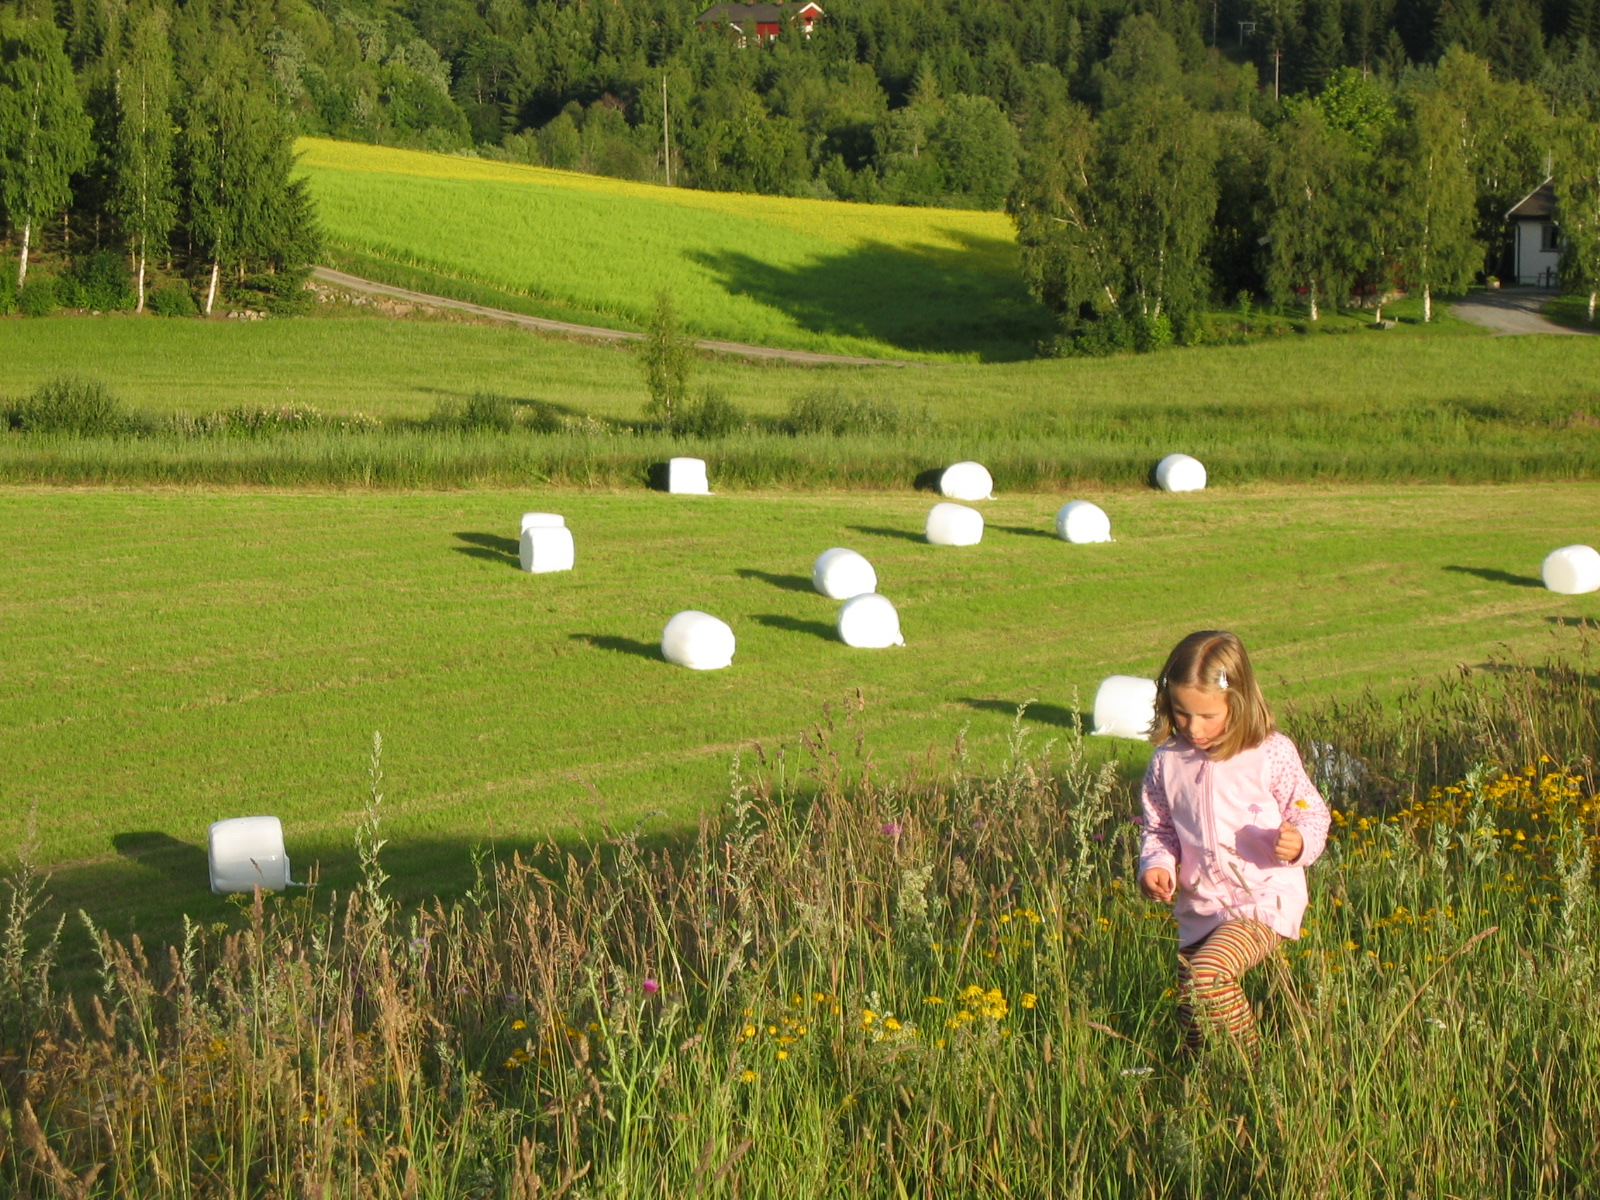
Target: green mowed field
{"x":175,"y":657}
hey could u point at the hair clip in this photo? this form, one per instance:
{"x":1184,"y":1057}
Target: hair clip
{"x":1222,"y":681}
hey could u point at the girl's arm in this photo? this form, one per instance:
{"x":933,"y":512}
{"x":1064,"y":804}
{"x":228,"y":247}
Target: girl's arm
{"x":1159,"y":847}
{"x":1299,"y":802}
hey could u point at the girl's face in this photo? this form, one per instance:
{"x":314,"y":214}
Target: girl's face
{"x":1199,"y":714}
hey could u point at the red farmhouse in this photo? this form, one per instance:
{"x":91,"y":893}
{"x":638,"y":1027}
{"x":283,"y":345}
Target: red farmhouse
{"x":762,"y":21}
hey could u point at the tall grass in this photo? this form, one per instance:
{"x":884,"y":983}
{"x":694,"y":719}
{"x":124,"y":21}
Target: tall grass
{"x":809,"y":274}
{"x":856,"y":984}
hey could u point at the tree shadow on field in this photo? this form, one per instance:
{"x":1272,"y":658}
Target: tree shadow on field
{"x":884,"y":531}
{"x":1495,"y":575}
{"x":796,"y":625}
{"x":491,"y":547}
{"x":1592,"y":624}
{"x":789,"y":583}
{"x":1045,"y":714}
{"x":622,"y":645}
{"x":961,"y":297}
{"x":179,"y":863}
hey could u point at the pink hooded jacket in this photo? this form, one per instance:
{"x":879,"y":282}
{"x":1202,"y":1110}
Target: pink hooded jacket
{"x":1213,"y":824}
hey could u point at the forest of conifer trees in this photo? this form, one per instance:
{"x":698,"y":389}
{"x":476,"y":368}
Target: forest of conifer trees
{"x":1158,"y":156}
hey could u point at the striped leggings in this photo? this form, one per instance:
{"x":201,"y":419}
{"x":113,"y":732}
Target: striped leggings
{"x":1210,"y":1000}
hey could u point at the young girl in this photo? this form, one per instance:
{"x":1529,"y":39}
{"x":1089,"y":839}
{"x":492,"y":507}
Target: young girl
{"x":1231,"y":821}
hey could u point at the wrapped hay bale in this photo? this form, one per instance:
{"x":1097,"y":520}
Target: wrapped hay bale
{"x":538,"y":520}
{"x":698,"y":641}
{"x":687,"y":476}
{"x":1124,"y":706}
{"x":1180,"y":473}
{"x":966,"y":481}
{"x":954,"y":525}
{"x":1080,"y":521}
{"x":869,"y":622}
{"x":839,"y":574}
{"x":246,"y":853}
{"x":1572,"y":570}
{"x":546,"y":548}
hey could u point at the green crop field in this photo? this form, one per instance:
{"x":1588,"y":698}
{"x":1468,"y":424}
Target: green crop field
{"x":174,"y":657}
{"x":806,"y":274}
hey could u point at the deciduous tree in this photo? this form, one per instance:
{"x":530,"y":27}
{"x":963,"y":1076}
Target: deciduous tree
{"x":144,"y":189}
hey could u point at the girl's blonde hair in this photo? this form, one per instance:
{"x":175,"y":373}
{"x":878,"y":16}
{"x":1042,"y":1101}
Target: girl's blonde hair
{"x":1216,"y":661}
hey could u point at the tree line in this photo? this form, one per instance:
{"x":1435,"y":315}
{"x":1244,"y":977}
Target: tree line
{"x":1157,"y":155}
{"x":158,"y":145}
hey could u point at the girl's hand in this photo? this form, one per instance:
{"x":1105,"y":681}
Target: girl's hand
{"x":1289,"y":844}
{"x":1156,"y":883}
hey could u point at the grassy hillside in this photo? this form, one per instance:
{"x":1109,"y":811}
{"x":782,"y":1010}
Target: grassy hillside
{"x":179,"y":656}
{"x":809,"y":274}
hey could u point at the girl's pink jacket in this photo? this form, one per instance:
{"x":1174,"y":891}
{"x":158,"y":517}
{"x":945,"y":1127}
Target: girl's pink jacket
{"x":1213,"y":824}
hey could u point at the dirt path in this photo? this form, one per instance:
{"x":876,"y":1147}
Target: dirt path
{"x":1510,"y":311}
{"x":370,"y":287}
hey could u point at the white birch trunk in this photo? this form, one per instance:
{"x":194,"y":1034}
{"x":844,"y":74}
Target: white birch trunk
{"x":1427,"y":304}
{"x":1311,"y":294}
{"x":211,"y":292}
{"x":139,"y":308}
{"x":1591,"y":294}
{"x":22,"y":263}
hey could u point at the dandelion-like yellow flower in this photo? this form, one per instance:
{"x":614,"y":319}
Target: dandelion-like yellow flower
{"x":749,"y":1076}
{"x":782,"y":1054}
{"x":868,"y":1016}
{"x":519,"y":1024}
{"x":933,"y":1000}
{"x":891,"y":1024}
{"x":1029,"y":1000}
{"x":749,"y":1031}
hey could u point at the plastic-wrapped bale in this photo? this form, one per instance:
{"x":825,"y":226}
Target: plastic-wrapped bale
{"x":698,"y":641}
{"x":1180,"y":473}
{"x":1080,"y":521}
{"x":966,"y":481}
{"x":839,"y":574}
{"x":1572,"y":570}
{"x":537,"y":520}
{"x":247,"y":853}
{"x":1124,"y":706}
{"x":546,"y":548}
{"x":687,"y":476}
{"x":954,"y":525}
{"x":869,"y":622}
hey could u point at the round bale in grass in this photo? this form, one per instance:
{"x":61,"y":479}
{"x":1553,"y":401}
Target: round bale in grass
{"x":954,"y":525}
{"x":1080,"y":521}
{"x":539,"y":520}
{"x":247,"y":853}
{"x":1124,"y":706}
{"x":687,"y":477}
{"x":869,"y":622}
{"x":1180,"y":473}
{"x":839,"y":574}
{"x":698,"y":641}
{"x":1572,"y":570}
{"x":546,"y":548}
{"x":966,"y":481}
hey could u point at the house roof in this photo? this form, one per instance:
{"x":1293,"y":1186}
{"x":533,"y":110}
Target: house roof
{"x":739,"y":12}
{"x":1537,"y":205}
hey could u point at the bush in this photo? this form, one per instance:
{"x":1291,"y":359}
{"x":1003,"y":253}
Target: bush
{"x":711,"y":416}
{"x":80,"y":407}
{"x":39,"y":297}
{"x":488,"y":412}
{"x":834,"y":413}
{"x":175,"y":300}
{"x":100,"y":281}
{"x":282,"y":293}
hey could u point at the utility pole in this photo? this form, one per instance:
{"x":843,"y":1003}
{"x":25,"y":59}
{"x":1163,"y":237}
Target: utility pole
{"x":666,"y":138}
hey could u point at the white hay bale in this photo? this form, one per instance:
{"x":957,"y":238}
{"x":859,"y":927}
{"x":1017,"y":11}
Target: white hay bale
{"x":1180,"y":473}
{"x":1124,"y":706}
{"x":246,"y":853}
{"x":966,"y":481}
{"x":687,"y":476}
{"x":1572,"y":570}
{"x":954,"y":525}
{"x":839,"y":574}
{"x":869,"y":622}
{"x":546,"y":548}
{"x":698,"y":641}
{"x":1080,"y":521}
{"x":541,"y":521}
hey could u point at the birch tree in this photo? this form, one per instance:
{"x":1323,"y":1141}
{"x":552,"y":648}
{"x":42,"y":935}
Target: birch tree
{"x":1433,"y":201}
{"x":1577,"y":181}
{"x":144,"y":191}
{"x":1311,"y":238}
{"x":44,"y":131}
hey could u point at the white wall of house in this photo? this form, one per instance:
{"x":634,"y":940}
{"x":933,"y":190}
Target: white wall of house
{"x":1538,"y":254}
